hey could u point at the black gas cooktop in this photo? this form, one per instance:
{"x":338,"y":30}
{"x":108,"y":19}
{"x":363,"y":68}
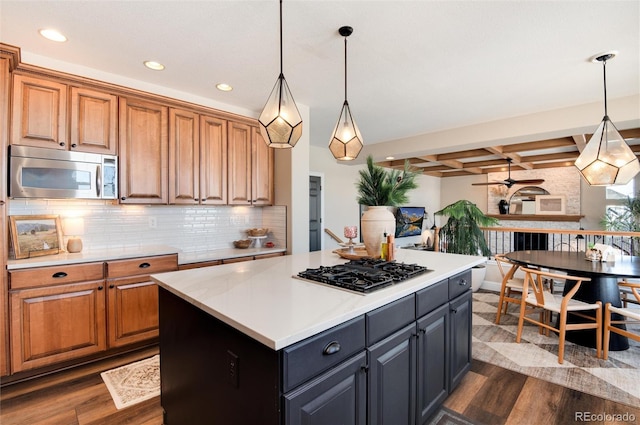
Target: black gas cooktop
{"x":364,"y":275}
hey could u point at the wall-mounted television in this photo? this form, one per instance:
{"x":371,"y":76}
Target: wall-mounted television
{"x":409,"y":221}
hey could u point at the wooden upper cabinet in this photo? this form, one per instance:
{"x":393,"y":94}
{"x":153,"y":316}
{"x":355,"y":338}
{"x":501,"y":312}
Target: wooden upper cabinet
{"x":213,"y":160}
{"x":250,"y":167}
{"x":184,"y":157}
{"x":39,"y":112}
{"x":239,"y":164}
{"x":143,"y":152}
{"x":197,"y":158}
{"x":94,"y":121}
{"x":262,"y":170}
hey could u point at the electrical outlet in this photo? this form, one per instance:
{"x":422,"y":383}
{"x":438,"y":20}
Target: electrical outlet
{"x":153,"y":222}
{"x":233,"y":363}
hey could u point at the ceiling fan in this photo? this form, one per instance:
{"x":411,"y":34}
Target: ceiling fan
{"x":509,"y":181}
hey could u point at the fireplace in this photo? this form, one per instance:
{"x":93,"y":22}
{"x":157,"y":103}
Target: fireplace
{"x":524,"y":241}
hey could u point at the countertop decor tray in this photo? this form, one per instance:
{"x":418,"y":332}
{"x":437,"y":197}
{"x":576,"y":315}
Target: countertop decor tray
{"x":356,"y":254}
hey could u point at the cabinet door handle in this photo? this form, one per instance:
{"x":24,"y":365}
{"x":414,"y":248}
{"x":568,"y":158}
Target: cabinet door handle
{"x":59,"y":275}
{"x":144,"y":265}
{"x":61,"y":143}
{"x":100,"y":288}
{"x":331,"y":348}
{"x":73,"y":145}
{"x":112,"y":286}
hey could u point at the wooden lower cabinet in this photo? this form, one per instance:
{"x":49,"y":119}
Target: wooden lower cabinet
{"x":56,"y":323}
{"x":133,"y":298}
{"x":63,"y":313}
{"x":133,"y":310}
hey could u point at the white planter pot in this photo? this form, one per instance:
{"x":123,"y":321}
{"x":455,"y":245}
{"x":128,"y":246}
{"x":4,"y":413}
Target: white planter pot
{"x":375,"y":222}
{"x":478,"y":274}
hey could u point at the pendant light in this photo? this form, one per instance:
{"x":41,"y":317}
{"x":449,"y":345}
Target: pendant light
{"x":346,"y":140}
{"x":280,"y":121}
{"x":607,"y":159}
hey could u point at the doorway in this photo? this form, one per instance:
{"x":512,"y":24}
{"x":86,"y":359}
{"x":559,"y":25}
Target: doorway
{"x":315,"y":213}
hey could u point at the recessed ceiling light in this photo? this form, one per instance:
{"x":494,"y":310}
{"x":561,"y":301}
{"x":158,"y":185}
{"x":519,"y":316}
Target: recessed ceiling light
{"x":53,"y":35}
{"x":224,"y":87}
{"x":156,"y":66}
{"x":390,"y":158}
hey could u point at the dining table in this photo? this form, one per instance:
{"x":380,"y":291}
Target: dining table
{"x":603,"y":285}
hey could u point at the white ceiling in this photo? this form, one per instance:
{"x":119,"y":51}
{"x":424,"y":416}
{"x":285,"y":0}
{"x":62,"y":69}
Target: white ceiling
{"x":415,"y":67}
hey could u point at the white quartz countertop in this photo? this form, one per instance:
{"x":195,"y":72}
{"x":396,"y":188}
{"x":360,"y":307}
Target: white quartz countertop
{"x":263,"y":300}
{"x":106,"y":254}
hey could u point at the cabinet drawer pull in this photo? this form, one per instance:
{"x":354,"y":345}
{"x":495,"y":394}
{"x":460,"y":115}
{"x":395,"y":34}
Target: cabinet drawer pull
{"x":462,"y":282}
{"x":144,"y":265}
{"x":59,"y":275}
{"x":331,"y":348}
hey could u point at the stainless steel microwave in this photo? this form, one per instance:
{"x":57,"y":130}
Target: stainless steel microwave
{"x":56,"y":174}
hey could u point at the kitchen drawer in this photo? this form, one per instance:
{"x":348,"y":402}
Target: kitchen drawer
{"x":459,"y":283}
{"x":269,"y":255}
{"x":190,"y":266}
{"x":316,"y":354}
{"x":142,"y":266}
{"x":55,"y":275}
{"x":385,"y":320}
{"x":237,"y":260}
{"x":431,"y":297}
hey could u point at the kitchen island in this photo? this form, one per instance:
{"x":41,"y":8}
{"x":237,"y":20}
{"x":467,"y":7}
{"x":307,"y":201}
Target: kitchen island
{"x":250,"y":343}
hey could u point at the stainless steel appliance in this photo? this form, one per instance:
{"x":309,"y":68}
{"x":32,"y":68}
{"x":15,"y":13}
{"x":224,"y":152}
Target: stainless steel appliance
{"x":51,"y":173}
{"x":363,"y":275}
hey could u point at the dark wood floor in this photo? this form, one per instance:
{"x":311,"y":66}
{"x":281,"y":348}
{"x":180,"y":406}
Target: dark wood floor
{"x":488,"y":395}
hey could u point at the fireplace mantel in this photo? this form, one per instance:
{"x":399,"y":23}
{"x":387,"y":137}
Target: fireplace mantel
{"x":537,"y":217}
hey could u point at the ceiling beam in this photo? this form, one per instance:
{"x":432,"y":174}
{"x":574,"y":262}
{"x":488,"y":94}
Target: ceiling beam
{"x":581,"y":141}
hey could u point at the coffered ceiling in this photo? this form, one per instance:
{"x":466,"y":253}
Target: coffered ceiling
{"x":559,"y":152}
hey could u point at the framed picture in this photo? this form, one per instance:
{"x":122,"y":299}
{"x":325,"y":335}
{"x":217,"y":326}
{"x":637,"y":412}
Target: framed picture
{"x":409,"y":221}
{"x":551,"y":204}
{"x":35,"y":235}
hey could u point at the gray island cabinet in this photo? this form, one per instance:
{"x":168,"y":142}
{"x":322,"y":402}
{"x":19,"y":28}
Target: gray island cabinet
{"x":248,"y":343}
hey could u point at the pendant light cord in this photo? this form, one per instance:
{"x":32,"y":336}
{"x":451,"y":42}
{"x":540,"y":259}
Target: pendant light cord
{"x":345,"y":70}
{"x":604,"y":73}
{"x":281,"y":67}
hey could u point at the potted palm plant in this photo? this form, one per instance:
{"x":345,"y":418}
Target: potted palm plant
{"x":379,"y":188}
{"x":462,"y":234}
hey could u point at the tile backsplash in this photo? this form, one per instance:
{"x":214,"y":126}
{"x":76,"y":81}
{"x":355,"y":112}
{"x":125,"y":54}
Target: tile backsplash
{"x":188,"y":228}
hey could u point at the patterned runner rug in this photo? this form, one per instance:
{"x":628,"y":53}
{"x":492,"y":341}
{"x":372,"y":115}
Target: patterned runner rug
{"x":133,"y":383}
{"x":614,"y":379}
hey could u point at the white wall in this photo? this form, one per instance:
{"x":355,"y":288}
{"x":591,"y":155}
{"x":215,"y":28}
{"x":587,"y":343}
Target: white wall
{"x":340,"y":194}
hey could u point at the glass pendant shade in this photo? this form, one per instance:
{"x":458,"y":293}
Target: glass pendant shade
{"x":280,"y":121}
{"x":346,"y":140}
{"x":607,"y":159}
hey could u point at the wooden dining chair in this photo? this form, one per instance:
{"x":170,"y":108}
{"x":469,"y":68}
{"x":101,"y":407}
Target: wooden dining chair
{"x":630,"y":316}
{"x":510,"y":285}
{"x":626,"y":294}
{"x":544,"y":302}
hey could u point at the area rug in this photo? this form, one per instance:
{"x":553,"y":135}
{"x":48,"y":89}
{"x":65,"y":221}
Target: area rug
{"x":133,"y":383}
{"x":614,"y":379}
